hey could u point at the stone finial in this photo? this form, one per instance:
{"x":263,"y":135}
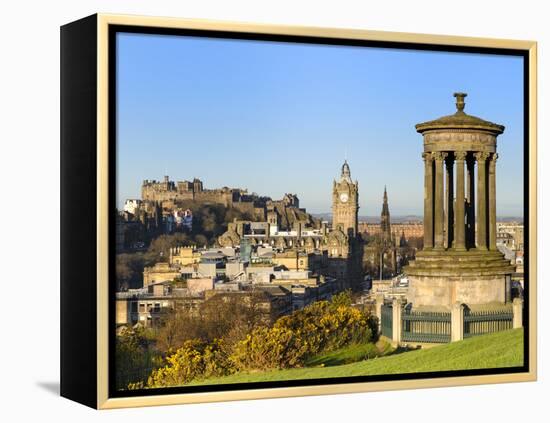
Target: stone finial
{"x":460,"y":101}
{"x":345,"y":169}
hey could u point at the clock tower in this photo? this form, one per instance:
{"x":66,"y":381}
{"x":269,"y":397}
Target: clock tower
{"x":345,"y":203}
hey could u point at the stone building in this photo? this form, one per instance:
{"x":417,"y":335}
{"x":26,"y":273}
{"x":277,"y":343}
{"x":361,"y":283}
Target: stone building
{"x":303,"y":233}
{"x":460,"y":261}
{"x":184,"y":256}
{"x":147,"y":306}
{"x":292,"y":259}
{"x":345,"y":203}
{"x":160,"y":272}
{"x":168,"y":190}
{"x":171,"y":194}
{"x":407,"y":230}
{"x":343,"y":243}
{"x":512,"y":231}
{"x":294,"y":229}
{"x":174,"y":196}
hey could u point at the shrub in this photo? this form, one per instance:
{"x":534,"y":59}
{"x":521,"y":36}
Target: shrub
{"x":221,"y":316}
{"x":194,"y":360}
{"x":269,"y":348}
{"x":341,"y":299}
{"x":327,"y":327}
{"x":134,"y":359}
{"x":319,"y":327}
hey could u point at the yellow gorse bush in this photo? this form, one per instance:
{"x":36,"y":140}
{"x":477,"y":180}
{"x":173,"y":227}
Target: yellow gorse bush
{"x":320,"y":327}
{"x":268,"y":348}
{"x":194,"y":360}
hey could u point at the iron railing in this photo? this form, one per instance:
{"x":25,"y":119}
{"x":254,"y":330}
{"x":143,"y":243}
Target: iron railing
{"x":487,"y":321}
{"x":426,"y":326}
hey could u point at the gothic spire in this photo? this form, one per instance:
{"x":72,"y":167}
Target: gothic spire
{"x":385,"y":225}
{"x":385,"y":207}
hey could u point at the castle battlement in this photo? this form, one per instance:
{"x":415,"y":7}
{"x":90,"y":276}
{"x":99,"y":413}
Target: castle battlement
{"x":167,"y":190}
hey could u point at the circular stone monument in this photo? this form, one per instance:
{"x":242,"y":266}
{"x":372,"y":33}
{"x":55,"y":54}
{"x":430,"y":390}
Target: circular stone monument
{"x":460,"y":260}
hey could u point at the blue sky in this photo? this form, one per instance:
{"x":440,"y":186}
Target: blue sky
{"x":281,"y":117}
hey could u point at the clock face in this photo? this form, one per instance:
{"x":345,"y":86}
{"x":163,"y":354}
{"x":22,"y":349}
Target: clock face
{"x":343,"y":197}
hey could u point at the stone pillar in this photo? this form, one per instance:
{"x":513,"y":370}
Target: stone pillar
{"x":492,"y":202}
{"x":428,"y":201}
{"x":508,"y":288}
{"x":470,"y":194}
{"x":457,"y":322}
{"x":396,"y":321}
{"x":438,"y":202}
{"x":460,"y":228}
{"x":449,"y":200}
{"x":517,"y":307}
{"x":481,"y":222}
{"x":378,"y":309}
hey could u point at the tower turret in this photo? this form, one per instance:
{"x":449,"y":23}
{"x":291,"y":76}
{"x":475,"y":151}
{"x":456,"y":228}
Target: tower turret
{"x":345,"y":202}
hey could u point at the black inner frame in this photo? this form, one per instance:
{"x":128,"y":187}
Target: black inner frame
{"x":112,"y":55}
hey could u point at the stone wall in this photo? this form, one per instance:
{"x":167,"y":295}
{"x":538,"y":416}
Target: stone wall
{"x":160,"y":272}
{"x":122,"y":315}
{"x":199,"y":285}
{"x":430,"y":291}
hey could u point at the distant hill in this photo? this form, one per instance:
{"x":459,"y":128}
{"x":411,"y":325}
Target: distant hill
{"x":407,"y":218}
{"x":373,"y":219}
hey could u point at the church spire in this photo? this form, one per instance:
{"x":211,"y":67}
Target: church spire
{"x":385,"y":207}
{"x":385,"y":225}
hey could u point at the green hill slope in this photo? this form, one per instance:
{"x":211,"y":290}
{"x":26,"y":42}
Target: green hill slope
{"x":503,"y":349}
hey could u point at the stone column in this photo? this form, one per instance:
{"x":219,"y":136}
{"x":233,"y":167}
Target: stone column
{"x":428,"y":201}
{"x":460,"y":239}
{"x":470,"y":194}
{"x":457,"y":322}
{"x":492,"y":202}
{"x":378,"y":309}
{"x":481,"y":222}
{"x":396,"y":321}
{"x":438,"y":202}
{"x":449,"y":200}
{"x":517,"y":307}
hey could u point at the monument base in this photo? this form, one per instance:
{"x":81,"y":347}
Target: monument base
{"x":442,"y":278}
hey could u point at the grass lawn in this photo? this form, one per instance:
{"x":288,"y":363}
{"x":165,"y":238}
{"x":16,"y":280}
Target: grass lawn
{"x":502,"y":349}
{"x":350,"y":354}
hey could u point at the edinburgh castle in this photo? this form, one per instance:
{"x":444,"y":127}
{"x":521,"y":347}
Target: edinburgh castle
{"x":171,"y":194}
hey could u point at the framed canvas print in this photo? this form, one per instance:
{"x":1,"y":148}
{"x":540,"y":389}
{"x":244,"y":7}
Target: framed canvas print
{"x":256,"y":211}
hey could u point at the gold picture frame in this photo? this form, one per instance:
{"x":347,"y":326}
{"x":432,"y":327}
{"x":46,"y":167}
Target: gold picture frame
{"x":97,"y":33}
